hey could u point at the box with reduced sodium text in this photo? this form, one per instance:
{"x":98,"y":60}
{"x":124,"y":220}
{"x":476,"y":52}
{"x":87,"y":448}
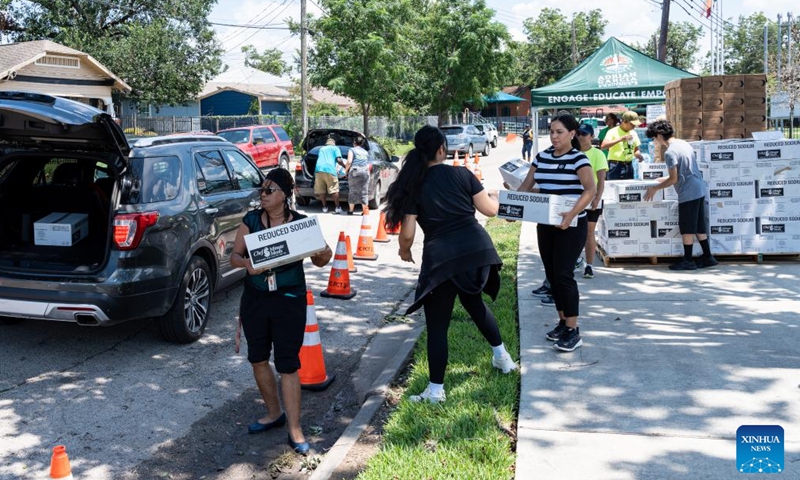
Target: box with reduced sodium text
{"x":60,"y":229}
{"x":285,"y":243}
{"x":514,"y":172}
{"x":535,"y":207}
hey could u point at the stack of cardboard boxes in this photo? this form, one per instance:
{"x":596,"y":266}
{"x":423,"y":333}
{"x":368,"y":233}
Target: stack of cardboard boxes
{"x":753,"y":195}
{"x":717,"y":107}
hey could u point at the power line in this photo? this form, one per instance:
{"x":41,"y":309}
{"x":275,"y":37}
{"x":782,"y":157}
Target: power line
{"x":285,"y":5}
{"x":259,"y":27}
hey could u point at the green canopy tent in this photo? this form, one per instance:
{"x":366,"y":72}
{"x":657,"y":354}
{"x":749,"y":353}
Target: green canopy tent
{"x":614,"y":74}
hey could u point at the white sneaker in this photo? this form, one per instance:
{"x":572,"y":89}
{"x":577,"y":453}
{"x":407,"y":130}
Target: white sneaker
{"x":338,"y":211}
{"x":505,"y":364}
{"x":426,"y":396}
{"x":580,"y":263}
{"x":324,"y":209}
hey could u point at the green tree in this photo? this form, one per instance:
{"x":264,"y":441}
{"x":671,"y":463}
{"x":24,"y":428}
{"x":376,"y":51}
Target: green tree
{"x":744,"y":44}
{"x":269,"y":61}
{"x":461,"y":54}
{"x":164,"y":49}
{"x":548,"y":54}
{"x":683,"y":42}
{"x":358,"y":51}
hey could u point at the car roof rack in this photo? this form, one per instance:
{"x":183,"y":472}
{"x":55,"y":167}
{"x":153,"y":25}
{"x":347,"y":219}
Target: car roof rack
{"x":166,"y":140}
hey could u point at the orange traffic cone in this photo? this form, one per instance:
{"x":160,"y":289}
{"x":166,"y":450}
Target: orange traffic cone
{"x":456,"y":163}
{"x":339,"y":281}
{"x":365,"y":250}
{"x":351,"y":267}
{"x":511,"y":137}
{"x":312,"y":364}
{"x":477,"y":171}
{"x":381,"y":235}
{"x":59,"y":464}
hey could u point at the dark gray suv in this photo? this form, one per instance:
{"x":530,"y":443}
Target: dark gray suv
{"x":152,"y":224}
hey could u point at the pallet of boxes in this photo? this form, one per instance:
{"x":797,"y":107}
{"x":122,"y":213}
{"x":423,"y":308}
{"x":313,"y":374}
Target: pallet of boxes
{"x":753,"y":185}
{"x":719,"y":107}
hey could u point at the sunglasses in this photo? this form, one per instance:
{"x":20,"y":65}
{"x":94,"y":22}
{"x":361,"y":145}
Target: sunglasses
{"x":269,"y":190}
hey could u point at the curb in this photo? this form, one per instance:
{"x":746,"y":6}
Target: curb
{"x":374,"y":398}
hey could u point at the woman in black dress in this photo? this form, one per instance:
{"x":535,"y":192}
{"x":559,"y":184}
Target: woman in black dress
{"x":458,"y":257}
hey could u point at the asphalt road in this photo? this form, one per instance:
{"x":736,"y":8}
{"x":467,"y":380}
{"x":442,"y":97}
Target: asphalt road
{"x":120,"y":397}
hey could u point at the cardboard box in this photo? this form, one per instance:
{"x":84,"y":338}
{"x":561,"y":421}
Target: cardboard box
{"x":759,"y":244}
{"x":734,"y":189}
{"x":623,"y":191}
{"x":733,"y":102}
{"x":620,"y":247}
{"x":285,"y":243}
{"x":733,"y":84}
{"x":714,"y":133}
{"x":657,"y":211}
{"x":755,"y":101}
{"x":735,"y":132}
{"x":638,"y":229}
{"x":775,"y":206}
{"x":728,"y":151}
{"x":784,"y":187}
{"x":60,"y":229}
{"x":713,"y":84}
{"x":725,"y":208}
{"x":621,"y":212}
{"x":734,"y":120}
{"x":677,"y":248}
{"x":514,"y":172}
{"x":714,"y":102}
{"x":743,"y":226}
{"x":651,"y":171}
{"x":684,"y":86}
{"x":664,"y":229}
{"x":655,"y":247}
{"x":787,"y":243}
{"x":725,"y":244}
{"x":535,"y":207}
{"x":755,"y":82}
{"x":779,"y":224}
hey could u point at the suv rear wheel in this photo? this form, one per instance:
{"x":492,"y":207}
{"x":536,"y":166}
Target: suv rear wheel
{"x":284,"y":162}
{"x":186,"y":321}
{"x":375,"y":201}
{"x":486,"y":148}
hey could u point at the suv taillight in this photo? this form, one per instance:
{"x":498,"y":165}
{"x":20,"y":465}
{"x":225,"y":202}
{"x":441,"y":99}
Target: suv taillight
{"x":129,"y":228}
{"x":298,"y":167}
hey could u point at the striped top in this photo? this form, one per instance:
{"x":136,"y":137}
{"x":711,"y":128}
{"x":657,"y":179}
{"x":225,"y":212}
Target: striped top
{"x":558,"y":175}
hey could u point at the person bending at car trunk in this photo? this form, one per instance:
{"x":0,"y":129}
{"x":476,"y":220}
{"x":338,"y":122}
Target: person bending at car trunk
{"x":458,"y":257}
{"x":326,"y":177}
{"x":563,"y":170}
{"x":684,"y":174}
{"x":273,"y":311}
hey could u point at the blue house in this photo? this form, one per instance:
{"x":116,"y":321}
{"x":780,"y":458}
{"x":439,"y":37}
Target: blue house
{"x":228,"y":99}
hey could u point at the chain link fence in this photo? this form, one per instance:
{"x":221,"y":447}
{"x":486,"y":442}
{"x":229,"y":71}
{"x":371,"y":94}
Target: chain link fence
{"x":401,"y":128}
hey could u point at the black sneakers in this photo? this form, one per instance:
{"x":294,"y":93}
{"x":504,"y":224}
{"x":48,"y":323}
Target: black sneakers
{"x":569,"y":340}
{"x":706,"y":262}
{"x":683,"y":264}
{"x":555,"y":333}
{"x":588,"y":272}
{"x":541,"y":292}
{"x":548,"y":300}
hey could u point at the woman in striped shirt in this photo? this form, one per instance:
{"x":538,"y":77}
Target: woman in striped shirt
{"x":563,"y":170}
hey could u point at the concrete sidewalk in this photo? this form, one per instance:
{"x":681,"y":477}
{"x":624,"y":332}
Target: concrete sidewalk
{"x":672,"y":364}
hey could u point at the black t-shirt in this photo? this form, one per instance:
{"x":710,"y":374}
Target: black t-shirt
{"x":446,"y":200}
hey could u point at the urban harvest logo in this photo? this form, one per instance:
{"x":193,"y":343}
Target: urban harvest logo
{"x":618,"y":70}
{"x":759,"y":449}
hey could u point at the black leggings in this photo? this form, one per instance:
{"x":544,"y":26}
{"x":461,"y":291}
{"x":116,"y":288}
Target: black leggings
{"x":438,"y":306}
{"x":560,"y":250}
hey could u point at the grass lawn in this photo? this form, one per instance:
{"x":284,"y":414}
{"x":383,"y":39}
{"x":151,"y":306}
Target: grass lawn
{"x":466,"y":436}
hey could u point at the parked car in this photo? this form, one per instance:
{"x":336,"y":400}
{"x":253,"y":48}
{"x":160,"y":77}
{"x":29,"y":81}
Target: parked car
{"x":383,"y":167}
{"x":162,"y":216}
{"x":465,"y":139}
{"x":490,"y":131}
{"x":268,"y":145}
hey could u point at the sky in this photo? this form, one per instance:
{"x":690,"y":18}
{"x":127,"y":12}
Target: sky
{"x":632,"y":21}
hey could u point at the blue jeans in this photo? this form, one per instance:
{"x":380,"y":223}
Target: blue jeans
{"x":620,"y":170}
{"x":526,"y":150}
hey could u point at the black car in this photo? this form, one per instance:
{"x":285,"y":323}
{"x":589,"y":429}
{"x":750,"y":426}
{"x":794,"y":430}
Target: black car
{"x":155,"y":226}
{"x":383,"y":167}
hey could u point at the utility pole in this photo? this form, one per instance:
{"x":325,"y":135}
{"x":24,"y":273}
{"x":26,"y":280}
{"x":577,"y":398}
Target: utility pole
{"x":789,"y":27}
{"x":766,"y":48}
{"x":574,"y":46}
{"x":721,"y":39}
{"x":780,"y":47}
{"x":662,"y":39}
{"x":303,"y":67}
